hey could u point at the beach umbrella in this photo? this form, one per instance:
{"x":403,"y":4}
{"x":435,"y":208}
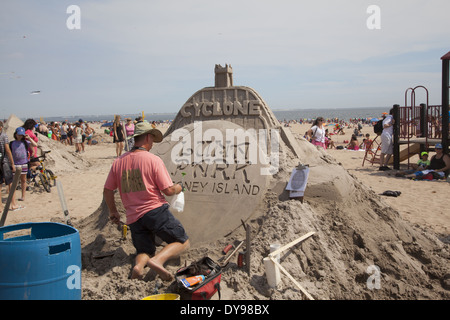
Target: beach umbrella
{"x":374,"y":119}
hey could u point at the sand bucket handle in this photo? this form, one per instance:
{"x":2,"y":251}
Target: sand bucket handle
{"x":11,"y":228}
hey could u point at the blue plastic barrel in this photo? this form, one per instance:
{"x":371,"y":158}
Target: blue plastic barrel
{"x":40,"y":261}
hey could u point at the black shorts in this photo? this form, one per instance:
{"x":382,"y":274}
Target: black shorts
{"x":6,"y":174}
{"x":157,"y":222}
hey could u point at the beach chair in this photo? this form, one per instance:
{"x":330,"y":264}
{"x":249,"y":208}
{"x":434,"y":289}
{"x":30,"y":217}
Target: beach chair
{"x":371,"y":154}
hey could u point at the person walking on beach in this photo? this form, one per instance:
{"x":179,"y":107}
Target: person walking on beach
{"x":387,"y":141}
{"x":63,"y":132}
{"x":317,"y":133}
{"x":118,"y":137}
{"x":78,"y":137}
{"x":8,"y":168}
{"x":83,"y":133}
{"x":142,"y":178}
{"x":129,"y":130}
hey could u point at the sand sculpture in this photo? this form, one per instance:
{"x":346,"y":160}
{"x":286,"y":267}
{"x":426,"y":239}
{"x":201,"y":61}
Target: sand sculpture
{"x":224,"y":146}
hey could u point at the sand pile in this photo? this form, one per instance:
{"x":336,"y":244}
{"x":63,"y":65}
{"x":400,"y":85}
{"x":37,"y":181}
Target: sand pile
{"x":61,"y":158}
{"x":355,"y":229}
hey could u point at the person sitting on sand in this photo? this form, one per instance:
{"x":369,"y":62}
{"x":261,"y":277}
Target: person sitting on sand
{"x":142,"y":179}
{"x":439,"y":167}
{"x":419,"y":166}
{"x":328,"y":142}
{"x":353,"y":144}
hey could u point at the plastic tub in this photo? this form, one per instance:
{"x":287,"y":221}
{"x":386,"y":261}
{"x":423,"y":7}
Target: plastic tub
{"x":40,"y":261}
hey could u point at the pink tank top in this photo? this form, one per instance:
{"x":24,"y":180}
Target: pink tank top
{"x":129,"y":129}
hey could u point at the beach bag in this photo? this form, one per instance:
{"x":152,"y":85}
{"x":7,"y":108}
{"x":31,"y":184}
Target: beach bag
{"x":378,"y":127}
{"x":205,"y":289}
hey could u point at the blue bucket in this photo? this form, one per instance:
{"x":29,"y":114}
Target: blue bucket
{"x":40,"y":261}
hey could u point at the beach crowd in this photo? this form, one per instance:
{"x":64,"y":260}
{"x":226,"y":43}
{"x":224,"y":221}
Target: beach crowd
{"x":21,"y":153}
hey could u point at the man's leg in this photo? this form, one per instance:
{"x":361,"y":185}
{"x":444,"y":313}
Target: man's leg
{"x":141,"y":261}
{"x":381,"y":160}
{"x":171,"y":251}
{"x":387,"y":158}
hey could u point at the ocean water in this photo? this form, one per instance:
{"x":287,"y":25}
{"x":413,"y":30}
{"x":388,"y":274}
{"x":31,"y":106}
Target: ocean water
{"x":340,"y":113}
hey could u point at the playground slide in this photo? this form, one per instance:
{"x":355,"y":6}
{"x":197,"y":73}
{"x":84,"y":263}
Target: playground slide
{"x":404,"y":154}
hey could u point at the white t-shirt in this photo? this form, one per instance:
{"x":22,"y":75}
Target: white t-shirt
{"x":318,"y":134}
{"x":389,"y":130}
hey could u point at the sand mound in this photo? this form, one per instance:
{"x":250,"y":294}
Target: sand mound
{"x":62,"y":158}
{"x":11,"y":125}
{"x":355,"y":230}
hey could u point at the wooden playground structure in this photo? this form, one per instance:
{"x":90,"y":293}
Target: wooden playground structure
{"x":417,"y":127}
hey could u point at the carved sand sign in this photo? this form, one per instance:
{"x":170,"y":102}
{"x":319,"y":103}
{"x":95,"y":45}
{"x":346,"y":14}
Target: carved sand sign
{"x":226,"y":141}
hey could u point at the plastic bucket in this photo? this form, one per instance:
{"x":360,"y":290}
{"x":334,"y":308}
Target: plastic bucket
{"x":40,"y":261}
{"x":163,"y":296}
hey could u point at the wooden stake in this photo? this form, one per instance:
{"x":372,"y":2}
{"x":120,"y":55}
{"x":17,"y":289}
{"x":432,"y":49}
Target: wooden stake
{"x":248,"y":251}
{"x":232,"y":253}
{"x":292,"y":278}
{"x":10,"y":196}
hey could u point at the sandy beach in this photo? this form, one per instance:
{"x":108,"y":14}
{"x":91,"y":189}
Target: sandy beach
{"x":422,"y":207}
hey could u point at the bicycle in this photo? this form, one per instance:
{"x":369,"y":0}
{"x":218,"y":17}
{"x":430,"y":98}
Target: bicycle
{"x":46,"y":176}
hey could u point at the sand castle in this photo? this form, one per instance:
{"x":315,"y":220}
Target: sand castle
{"x":224,"y":146}
{"x":358,"y":238}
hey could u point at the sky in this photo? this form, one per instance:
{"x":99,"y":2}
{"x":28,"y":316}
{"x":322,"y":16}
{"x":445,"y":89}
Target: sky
{"x":125,"y":57}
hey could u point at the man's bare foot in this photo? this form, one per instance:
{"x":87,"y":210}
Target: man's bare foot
{"x":160,"y":270}
{"x":137,"y":272}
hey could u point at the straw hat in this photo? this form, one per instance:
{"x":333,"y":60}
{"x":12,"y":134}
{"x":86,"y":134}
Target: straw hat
{"x":144,"y":128}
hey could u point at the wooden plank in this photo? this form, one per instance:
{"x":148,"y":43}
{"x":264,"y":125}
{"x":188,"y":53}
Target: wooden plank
{"x":303,"y":290}
{"x":430,"y":141}
{"x":293,"y":243}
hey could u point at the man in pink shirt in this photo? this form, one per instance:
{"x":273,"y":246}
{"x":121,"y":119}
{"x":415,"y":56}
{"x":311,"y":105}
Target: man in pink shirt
{"x":142,"y":178}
